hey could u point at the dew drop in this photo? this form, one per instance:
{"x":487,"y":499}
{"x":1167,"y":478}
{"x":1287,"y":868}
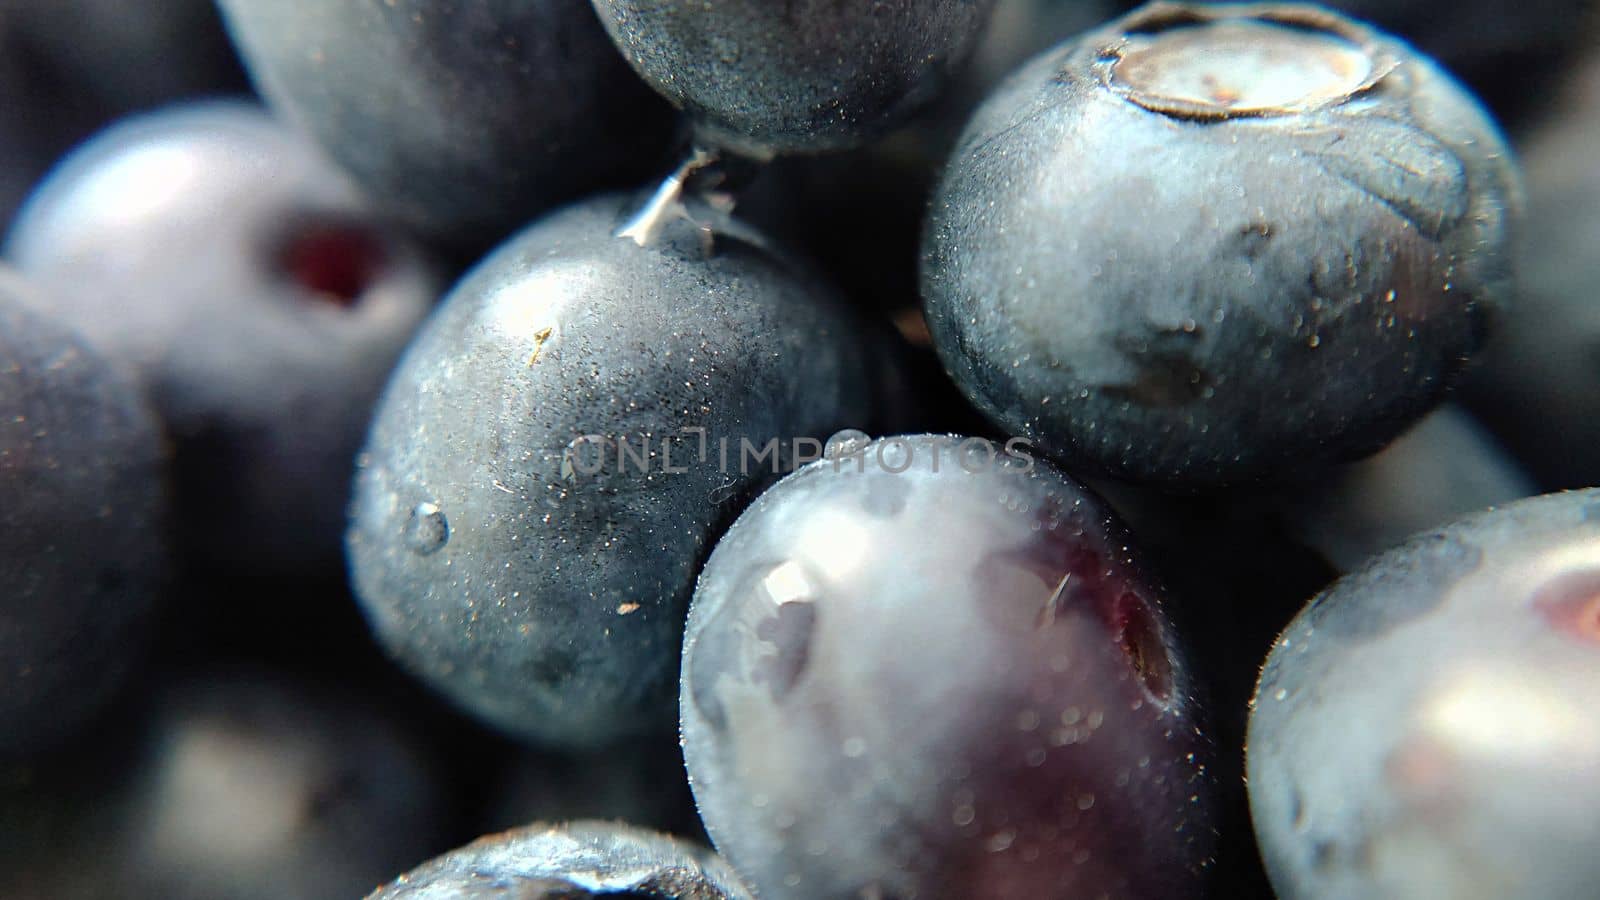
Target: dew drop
{"x":894,"y":455}
{"x":846,"y":443}
{"x":427,"y":530}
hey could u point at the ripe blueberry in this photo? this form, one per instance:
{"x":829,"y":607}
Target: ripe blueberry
{"x":550,"y":460}
{"x":571,"y":862}
{"x":67,"y":67}
{"x":465,"y":118}
{"x":221,"y":257}
{"x":1446,"y":467}
{"x":1426,"y":728}
{"x":763,"y":77}
{"x":83,"y":517}
{"x":234,"y":784}
{"x":1537,"y":387}
{"x":1210,"y":244}
{"x":923,"y":670}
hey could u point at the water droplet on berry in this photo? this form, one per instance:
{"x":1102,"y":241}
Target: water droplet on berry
{"x":846,"y":443}
{"x":427,"y":531}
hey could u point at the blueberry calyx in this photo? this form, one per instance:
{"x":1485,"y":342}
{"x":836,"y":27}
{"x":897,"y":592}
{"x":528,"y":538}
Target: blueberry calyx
{"x":1231,"y":61}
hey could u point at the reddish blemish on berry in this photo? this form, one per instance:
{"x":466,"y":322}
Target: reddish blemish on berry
{"x":1080,"y":577}
{"x":1136,"y":630}
{"x":1572,"y":605}
{"x":334,"y":261}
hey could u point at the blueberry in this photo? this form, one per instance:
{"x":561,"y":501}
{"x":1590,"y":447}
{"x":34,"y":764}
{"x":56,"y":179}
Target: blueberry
{"x":69,"y":66}
{"x":1537,"y":387}
{"x":83,"y":515}
{"x":233,"y":268}
{"x":929,"y":668}
{"x":1214,"y":244}
{"x":467,"y":117}
{"x":763,"y":77}
{"x":571,"y":862}
{"x":550,"y":460}
{"x":1426,"y":727}
{"x":1444,"y":468}
{"x":123,"y":57}
{"x":239,"y":785}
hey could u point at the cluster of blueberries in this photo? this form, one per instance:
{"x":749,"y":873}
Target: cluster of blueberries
{"x":1168,"y":319}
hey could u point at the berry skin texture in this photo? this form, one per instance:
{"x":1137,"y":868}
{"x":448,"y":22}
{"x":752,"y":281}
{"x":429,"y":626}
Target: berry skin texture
{"x":219,"y":256}
{"x":83,"y":517}
{"x":908,"y":679}
{"x":1426,"y":728}
{"x":762,"y":77}
{"x":466,"y":118}
{"x":534,"y":574}
{"x":1216,"y":244}
{"x":571,"y":862}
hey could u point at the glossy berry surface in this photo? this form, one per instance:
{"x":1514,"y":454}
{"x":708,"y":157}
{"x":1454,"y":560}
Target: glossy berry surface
{"x":83,"y":518}
{"x":1426,"y":727}
{"x":812,"y":75}
{"x":920,"y":679}
{"x":466,"y":118}
{"x":1211,"y":244}
{"x":505,"y":545}
{"x":232,"y":268}
{"x":571,"y":862}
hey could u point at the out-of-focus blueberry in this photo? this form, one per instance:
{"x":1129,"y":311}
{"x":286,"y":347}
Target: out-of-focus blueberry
{"x":465,"y":118}
{"x":761,"y":77}
{"x":231,"y":266}
{"x":571,"y":862}
{"x":241,"y":786}
{"x":1212,"y":244}
{"x":83,"y":517}
{"x":924,"y":668}
{"x":125,"y":56}
{"x":68,"y":67}
{"x":556,"y":451}
{"x":1446,"y":467}
{"x":1427,"y":728}
{"x":1539,"y":386}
